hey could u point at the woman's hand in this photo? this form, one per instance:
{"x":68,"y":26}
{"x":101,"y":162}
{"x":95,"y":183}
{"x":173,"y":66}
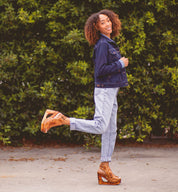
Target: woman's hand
{"x":125,"y":60}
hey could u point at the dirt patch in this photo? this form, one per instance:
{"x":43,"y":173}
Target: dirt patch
{"x":22,"y":159}
{"x":59,"y":159}
{"x":33,"y":159}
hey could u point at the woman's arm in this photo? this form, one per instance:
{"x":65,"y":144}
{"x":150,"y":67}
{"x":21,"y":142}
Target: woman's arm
{"x":102,"y":67}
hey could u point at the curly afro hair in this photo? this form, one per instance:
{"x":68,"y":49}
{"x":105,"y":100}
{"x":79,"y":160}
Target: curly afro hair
{"x":92,"y":34}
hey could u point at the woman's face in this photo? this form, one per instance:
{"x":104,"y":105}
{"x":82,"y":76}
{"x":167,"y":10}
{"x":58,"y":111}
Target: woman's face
{"x":105,"y":25}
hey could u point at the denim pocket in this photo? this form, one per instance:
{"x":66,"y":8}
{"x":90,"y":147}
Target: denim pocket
{"x":114,"y":55}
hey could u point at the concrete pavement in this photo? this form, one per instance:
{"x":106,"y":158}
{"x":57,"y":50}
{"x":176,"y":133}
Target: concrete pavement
{"x":73,"y":169}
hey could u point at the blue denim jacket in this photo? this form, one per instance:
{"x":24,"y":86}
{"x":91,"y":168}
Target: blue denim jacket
{"x":109,"y":71}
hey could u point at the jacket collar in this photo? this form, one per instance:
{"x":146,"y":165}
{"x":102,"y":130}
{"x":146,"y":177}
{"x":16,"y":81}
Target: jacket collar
{"x":108,"y":39}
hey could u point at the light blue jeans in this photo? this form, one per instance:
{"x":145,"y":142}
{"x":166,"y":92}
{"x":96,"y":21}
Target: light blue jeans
{"x":104,"y":122}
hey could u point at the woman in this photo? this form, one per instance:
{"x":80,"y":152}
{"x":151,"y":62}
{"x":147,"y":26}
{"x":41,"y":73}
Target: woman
{"x":110,"y":75}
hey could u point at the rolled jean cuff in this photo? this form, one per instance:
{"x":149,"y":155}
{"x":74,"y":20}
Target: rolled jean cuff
{"x":72,"y":124}
{"x":105,"y":159}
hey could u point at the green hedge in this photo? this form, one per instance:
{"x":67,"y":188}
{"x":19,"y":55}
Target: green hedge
{"x":45,"y":62}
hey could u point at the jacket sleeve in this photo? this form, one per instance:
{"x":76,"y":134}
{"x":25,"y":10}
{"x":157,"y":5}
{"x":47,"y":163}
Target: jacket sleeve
{"x":102,"y":66}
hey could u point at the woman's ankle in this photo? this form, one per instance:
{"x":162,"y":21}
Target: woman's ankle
{"x":67,"y":121}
